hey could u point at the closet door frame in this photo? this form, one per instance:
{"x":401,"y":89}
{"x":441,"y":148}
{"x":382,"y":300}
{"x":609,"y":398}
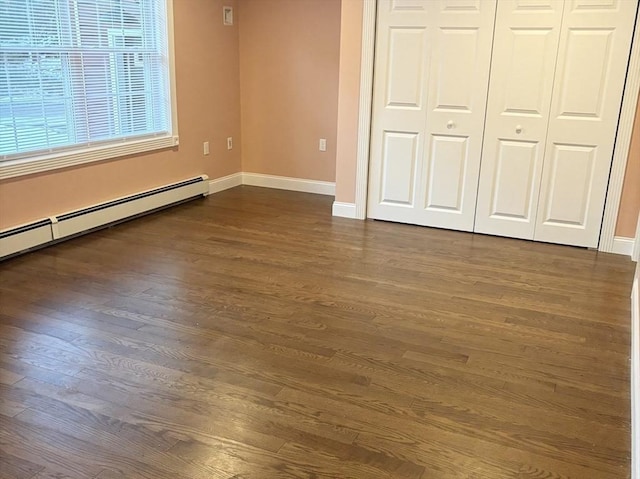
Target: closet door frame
{"x":622,"y":140}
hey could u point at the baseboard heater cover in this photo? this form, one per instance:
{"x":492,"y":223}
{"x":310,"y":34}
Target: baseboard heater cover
{"x":25,"y":237}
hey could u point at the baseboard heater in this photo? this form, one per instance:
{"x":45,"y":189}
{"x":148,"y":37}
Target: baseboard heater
{"x":38,"y":233}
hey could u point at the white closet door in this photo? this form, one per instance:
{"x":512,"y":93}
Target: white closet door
{"x":592,"y":63}
{"x":432,"y":66}
{"x":522,"y":70}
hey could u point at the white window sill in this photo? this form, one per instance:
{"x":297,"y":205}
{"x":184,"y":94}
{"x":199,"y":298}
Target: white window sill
{"x":39,"y":164}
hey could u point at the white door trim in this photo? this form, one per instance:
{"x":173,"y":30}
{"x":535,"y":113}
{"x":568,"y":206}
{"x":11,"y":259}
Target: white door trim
{"x":623,"y":141}
{"x":635,"y":256}
{"x":623,"y":136}
{"x":366,"y":99}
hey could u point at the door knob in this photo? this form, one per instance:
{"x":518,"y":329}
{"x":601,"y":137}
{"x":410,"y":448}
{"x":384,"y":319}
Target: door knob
{"x":519,"y":129}
{"x":451,"y":124}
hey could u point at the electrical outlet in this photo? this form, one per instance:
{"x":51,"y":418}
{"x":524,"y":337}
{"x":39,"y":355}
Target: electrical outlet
{"x":323,"y":144}
{"x":230,"y":143}
{"x":205,"y":148}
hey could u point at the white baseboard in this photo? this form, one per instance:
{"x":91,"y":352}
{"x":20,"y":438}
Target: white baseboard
{"x":344,"y":210}
{"x":635,"y":376}
{"x":224,"y":183}
{"x":292,"y":184}
{"x":271,"y":181}
{"x":622,"y":245}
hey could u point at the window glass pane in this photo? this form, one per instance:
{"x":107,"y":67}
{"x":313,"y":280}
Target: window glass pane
{"x":77,"y":72}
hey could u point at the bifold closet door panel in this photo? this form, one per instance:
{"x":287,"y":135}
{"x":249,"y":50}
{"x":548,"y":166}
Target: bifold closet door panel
{"x":520,"y":91}
{"x":589,"y":82}
{"x":399,"y":109}
{"x":430,"y":87}
{"x":458,"y":87}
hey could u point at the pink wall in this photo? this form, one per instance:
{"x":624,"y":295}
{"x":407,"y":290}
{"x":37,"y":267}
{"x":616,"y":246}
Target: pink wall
{"x":208,"y":91}
{"x":289,"y":67}
{"x":348,"y":100}
{"x":298,"y":62}
{"x":630,"y":202}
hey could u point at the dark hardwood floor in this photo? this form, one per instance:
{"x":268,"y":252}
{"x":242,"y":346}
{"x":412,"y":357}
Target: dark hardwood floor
{"x":250,"y":335}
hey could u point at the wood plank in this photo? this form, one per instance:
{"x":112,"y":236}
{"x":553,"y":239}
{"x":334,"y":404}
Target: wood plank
{"x":251,"y":335}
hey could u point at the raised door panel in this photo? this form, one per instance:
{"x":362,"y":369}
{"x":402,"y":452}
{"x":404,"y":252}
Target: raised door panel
{"x":460,"y":5}
{"x":589,"y":81}
{"x":513,"y":186}
{"x":405,"y":5}
{"x":595,"y":4}
{"x":398,"y":168}
{"x":453,"y":90}
{"x":405,"y":75}
{"x":537,"y":5}
{"x":522,"y":70}
{"x":525,"y":88}
{"x":582,"y":86}
{"x":448,"y":161}
{"x":567,"y":201}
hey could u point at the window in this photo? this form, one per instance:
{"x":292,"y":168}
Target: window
{"x":82,"y":80}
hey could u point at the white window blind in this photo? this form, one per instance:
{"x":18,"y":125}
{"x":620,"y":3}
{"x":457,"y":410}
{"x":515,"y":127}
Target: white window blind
{"x":80,"y":74}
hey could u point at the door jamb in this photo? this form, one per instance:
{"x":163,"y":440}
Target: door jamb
{"x":366,"y":99}
{"x":622,"y":143}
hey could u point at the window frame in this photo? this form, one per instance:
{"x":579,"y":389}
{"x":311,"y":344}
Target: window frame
{"x":108,"y":149}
